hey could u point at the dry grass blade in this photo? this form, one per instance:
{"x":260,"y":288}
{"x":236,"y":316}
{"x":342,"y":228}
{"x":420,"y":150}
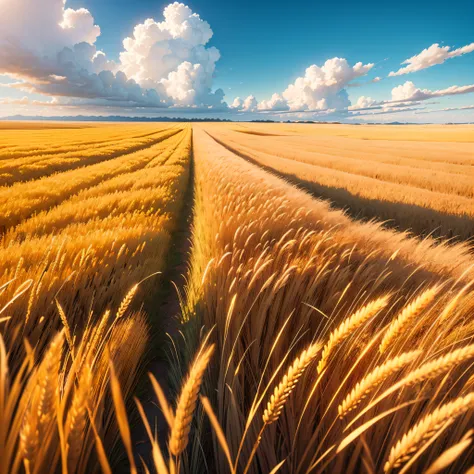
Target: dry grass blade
{"x":19,"y":292}
{"x":288,"y":383}
{"x":218,"y":430}
{"x":165,"y":408}
{"x":159,"y":461}
{"x":99,"y":446}
{"x":187,"y":402}
{"x":122,"y":419}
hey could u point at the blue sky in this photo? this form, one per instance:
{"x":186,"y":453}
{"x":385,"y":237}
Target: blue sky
{"x":265,"y":46}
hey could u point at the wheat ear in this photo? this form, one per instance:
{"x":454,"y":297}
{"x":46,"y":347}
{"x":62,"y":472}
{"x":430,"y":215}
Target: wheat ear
{"x":126,"y":302}
{"x":440,"y":365}
{"x":348,"y":326}
{"x":373,"y":380}
{"x":408,"y":314}
{"x":187,"y":402}
{"x":67,"y":330}
{"x":42,"y":404}
{"x":288,"y":383}
{"x":402,"y":451}
{"x":77,"y":418}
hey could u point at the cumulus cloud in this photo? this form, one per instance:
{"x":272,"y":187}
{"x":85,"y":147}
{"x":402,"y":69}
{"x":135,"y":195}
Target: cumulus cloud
{"x":324,"y":87}
{"x":45,"y":27}
{"x":320,"y":90}
{"x":363,"y":103}
{"x":431,"y":56}
{"x":51,"y":51}
{"x":249,"y":104}
{"x":409,"y":92}
{"x":237,"y":103}
{"x":404,"y":98}
{"x":277,"y":103}
{"x":173,"y":54}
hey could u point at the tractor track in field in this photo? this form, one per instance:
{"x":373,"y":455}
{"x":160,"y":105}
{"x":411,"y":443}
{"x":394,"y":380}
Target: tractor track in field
{"x":163,"y":310}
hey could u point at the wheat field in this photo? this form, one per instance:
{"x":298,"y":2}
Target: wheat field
{"x":415,"y":178}
{"x":305,"y":337}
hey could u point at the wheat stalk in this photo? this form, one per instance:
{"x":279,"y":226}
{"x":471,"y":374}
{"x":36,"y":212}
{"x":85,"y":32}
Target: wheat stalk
{"x":408,"y":314}
{"x":288,"y":383}
{"x":373,"y":380}
{"x":348,"y":326}
{"x":187,"y":402}
{"x":411,"y":441}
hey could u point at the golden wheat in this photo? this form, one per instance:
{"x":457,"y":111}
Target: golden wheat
{"x":187,"y":402}
{"x":425,"y":428}
{"x":374,"y":379}
{"x":348,"y":326}
{"x":408,"y":314}
{"x":288,"y":383}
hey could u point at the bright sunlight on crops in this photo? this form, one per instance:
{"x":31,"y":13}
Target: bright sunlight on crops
{"x":241,"y":298}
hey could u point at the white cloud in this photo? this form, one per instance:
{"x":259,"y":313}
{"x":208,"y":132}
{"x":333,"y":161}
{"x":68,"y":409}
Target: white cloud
{"x":249,"y":104}
{"x":363,"y":103}
{"x":237,"y":103}
{"x":27,"y":101}
{"x":449,"y":109}
{"x":172,"y":53}
{"x":321,"y":89}
{"x":409,"y":92}
{"x":45,"y":27}
{"x":324,"y":87}
{"x":431,"y":56}
{"x":386,"y":111}
{"x":277,"y":103}
{"x":51,"y":51}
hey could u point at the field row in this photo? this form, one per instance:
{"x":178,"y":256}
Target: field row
{"x":405,"y":185}
{"x":84,"y":241}
{"x":24,"y":166}
{"x":289,"y":286}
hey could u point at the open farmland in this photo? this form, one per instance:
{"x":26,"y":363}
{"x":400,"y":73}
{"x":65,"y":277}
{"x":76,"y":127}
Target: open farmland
{"x":75,"y":245}
{"x":318,"y":342}
{"x":417,"y":178}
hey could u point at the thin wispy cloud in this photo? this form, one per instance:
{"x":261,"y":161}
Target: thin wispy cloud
{"x":431,"y":56}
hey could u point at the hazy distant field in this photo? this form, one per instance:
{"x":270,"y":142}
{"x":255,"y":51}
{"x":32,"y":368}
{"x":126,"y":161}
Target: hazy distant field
{"x":319,"y":340}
